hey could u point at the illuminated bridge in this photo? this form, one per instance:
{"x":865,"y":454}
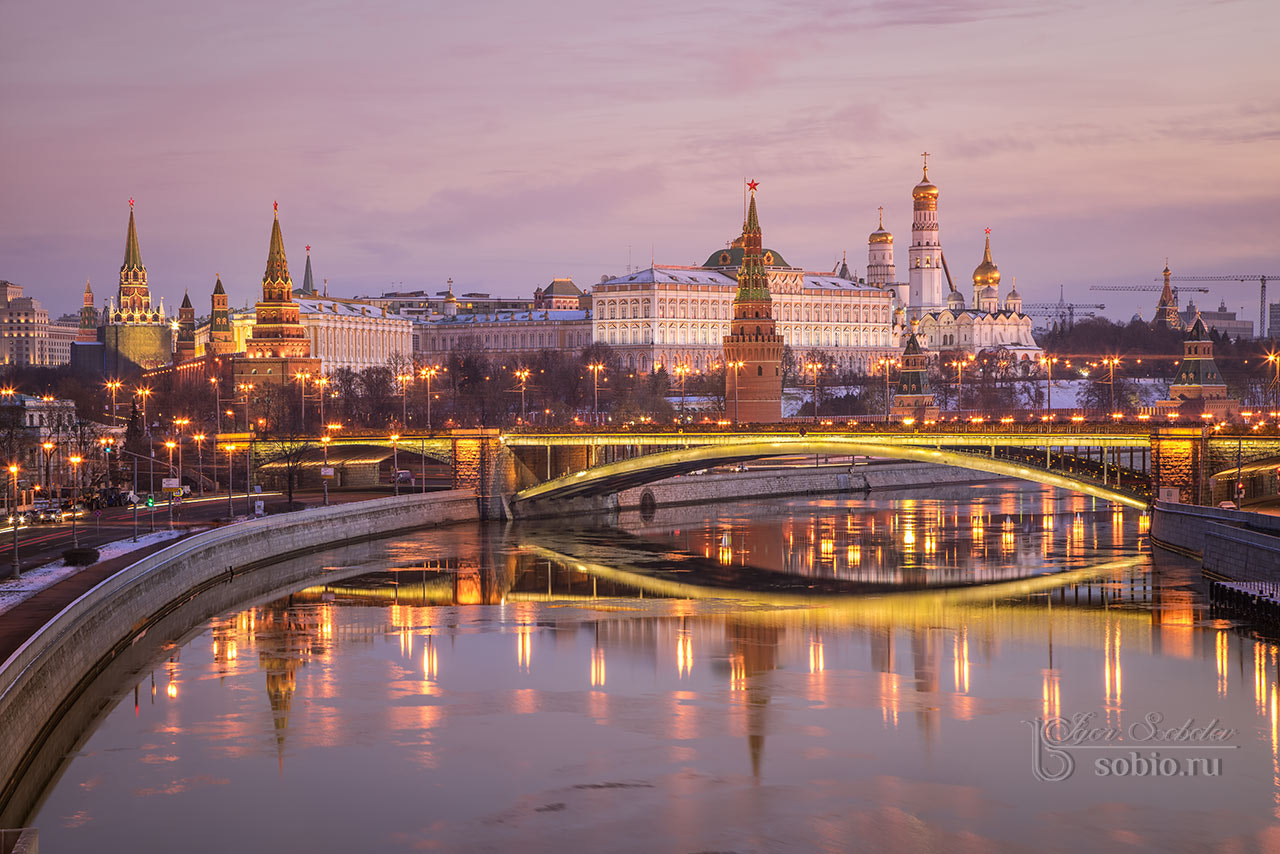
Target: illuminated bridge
{"x":527,"y":472}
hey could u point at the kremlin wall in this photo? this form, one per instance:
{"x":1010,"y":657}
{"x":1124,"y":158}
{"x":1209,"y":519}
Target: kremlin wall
{"x":739,"y":309}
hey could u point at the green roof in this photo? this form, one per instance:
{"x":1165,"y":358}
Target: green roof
{"x":732,"y":257}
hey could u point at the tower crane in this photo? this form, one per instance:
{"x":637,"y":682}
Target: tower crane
{"x":1063,"y":310}
{"x":1152,"y":288}
{"x":1260,"y":278}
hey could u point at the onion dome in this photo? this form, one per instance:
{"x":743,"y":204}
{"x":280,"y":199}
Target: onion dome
{"x":988,"y":293}
{"x":925,"y":189}
{"x":880,"y":235}
{"x":986,"y":273}
{"x":955,"y":301}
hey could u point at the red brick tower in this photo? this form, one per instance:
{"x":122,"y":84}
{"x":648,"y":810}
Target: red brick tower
{"x":753,"y":349}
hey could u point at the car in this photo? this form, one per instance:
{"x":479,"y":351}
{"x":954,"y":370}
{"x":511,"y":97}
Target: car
{"x":404,"y":476}
{"x":1227,"y":505}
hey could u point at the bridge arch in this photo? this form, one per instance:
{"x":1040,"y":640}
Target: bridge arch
{"x":636,"y":471}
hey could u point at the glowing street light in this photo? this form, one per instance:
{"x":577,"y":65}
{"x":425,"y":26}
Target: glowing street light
{"x":230,"y":448}
{"x":395,"y":462}
{"x":737,"y":375}
{"x":75,"y":487}
{"x":682,"y":371}
{"x":144,"y":392}
{"x":113,"y":386}
{"x":199,"y":440}
{"x":428,"y":373}
{"x":523,"y":376}
{"x":814,"y":368}
{"x":595,"y":368}
{"x":17,"y":568}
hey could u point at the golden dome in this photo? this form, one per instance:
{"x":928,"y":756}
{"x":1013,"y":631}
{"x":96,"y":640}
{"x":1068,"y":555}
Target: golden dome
{"x":880,"y":235}
{"x":986,"y":273}
{"x":925,"y":189}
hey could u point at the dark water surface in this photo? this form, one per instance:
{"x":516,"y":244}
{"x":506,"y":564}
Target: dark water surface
{"x":768,"y":676}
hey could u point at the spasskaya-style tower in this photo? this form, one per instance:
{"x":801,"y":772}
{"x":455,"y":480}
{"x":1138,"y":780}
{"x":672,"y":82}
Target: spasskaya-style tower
{"x":753,"y":349}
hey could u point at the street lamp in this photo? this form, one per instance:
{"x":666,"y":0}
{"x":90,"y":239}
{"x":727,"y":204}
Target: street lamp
{"x":960,"y":365}
{"x":324,"y":443}
{"x":113,"y":386}
{"x":427,"y":374}
{"x":1111,"y":362}
{"x":217,"y":405}
{"x":595,"y":368}
{"x":814,"y":367}
{"x":75,"y":488}
{"x":303,"y":376}
{"x":199,"y":440}
{"x":523,"y":375}
{"x":170,"y":444}
{"x":181,"y":424}
{"x":395,"y":462}
{"x":48,"y":472}
{"x":144,"y":392}
{"x":246,"y":388}
{"x":404,"y":380}
{"x":737,"y":371}
{"x":1048,"y":362}
{"x":17,"y":568}
{"x":682,"y":371}
{"x":230,"y":449}
{"x":1273,"y":359}
{"x":321,"y":383}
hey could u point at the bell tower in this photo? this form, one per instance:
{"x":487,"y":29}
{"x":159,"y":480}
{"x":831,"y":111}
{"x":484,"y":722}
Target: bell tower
{"x":753,"y":349}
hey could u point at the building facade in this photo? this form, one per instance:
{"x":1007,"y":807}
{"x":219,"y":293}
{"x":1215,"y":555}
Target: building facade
{"x":24,"y":328}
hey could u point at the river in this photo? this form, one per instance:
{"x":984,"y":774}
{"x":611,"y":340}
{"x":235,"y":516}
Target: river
{"x":775,"y":675}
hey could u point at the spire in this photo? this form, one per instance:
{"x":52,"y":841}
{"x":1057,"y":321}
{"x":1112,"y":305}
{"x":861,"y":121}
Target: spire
{"x":132,"y":255}
{"x":88,"y":293}
{"x":753,"y":283}
{"x":277,"y":264}
{"x":217,"y":286}
{"x":308,"y":285}
{"x":186,"y":300}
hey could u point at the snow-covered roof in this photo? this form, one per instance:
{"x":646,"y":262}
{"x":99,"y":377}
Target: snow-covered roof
{"x":674,"y":276}
{"x":828,"y":282}
{"x":534,"y":316}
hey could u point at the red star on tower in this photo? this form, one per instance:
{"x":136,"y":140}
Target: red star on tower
{"x":751,"y":185}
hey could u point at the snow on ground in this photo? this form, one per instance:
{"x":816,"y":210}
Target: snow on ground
{"x":16,"y":591}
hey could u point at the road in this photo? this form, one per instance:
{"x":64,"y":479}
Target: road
{"x":40,"y":544}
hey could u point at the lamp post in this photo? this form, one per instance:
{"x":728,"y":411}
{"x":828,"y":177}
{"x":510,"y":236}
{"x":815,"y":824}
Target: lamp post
{"x":246,"y":388}
{"x":75,"y":488}
{"x":230,"y":449}
{"x":324,"y":443}
{"x":113,"y":386}
{"x":682,"y":371}
{"x":181,"y":424}
{"x":199,"y":440}
{"x":960,"y":365}
{"x":144,"y":392}
{"x":170,"y":444}
{"x":1048,"y":362}
{"x":523,"y":375}
{"x":1111,"y":363}
{"x":321,"y":383}
{"x":427,"y":374}
{"x":737,"y":375}
{"x":17,"y":568}
{"x":595,"y":368}
{"x":48,"y":473}
{"x":217,"y":406}
{"x":814,"y":367}
{"x":395,"y":462}
{"x":302,"y":376}
{"x":404,"y":380}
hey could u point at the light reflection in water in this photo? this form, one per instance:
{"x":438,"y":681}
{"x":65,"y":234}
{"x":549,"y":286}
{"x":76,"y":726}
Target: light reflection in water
{"x":419,"y":680}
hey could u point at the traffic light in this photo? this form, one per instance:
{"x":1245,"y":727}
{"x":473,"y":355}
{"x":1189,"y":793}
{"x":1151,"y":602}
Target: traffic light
{"x":151,"y":501}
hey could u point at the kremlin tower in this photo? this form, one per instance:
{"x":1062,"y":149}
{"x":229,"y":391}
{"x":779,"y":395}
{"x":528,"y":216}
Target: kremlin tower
{"x":185,"y":346}
{"x":753,"y":349}
{"x":136,"y":334}
{"x":1167,"y":316}
{"x":913,"y":398}
{"x":88,"y":329}
{"x":880,"y":268}
{"x":278,"y":346}
{"x":221,"y":340}
{"x":925,"y":254}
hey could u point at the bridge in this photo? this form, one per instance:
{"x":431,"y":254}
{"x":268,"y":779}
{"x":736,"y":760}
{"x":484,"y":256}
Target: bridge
{"x":535,"y":472}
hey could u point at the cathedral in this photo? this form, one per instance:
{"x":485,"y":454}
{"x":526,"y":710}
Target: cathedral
{"x":930,"y":300}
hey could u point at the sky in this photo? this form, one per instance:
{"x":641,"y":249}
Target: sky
{"x":502,"y":144}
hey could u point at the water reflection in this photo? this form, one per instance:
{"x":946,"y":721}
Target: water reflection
{"x":646,"y":689}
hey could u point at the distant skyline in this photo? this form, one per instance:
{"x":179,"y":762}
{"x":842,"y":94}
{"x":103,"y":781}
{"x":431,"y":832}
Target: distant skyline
{"x":503,"y":144}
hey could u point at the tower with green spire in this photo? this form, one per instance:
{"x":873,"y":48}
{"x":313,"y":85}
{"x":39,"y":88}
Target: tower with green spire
{"x":913,"y":399}
{"x":753,"y":349}
{"x":88,"y":327}
{"x":1198,"y":388}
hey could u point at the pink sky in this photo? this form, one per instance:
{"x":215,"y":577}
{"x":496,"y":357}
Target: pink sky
{"x":504,"y":143}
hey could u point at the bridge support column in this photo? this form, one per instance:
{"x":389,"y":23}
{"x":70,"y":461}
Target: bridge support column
{"x":1177,"y":461}
{"x":481,"y":462}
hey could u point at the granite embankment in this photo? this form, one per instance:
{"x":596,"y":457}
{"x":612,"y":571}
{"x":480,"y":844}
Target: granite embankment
{"x":44,"y":677}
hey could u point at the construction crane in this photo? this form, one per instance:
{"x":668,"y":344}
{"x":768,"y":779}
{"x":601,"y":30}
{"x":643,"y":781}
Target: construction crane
{"x":1063,"y":310}
{"x":1261,"y":279}
{"x":1147,"y":288}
